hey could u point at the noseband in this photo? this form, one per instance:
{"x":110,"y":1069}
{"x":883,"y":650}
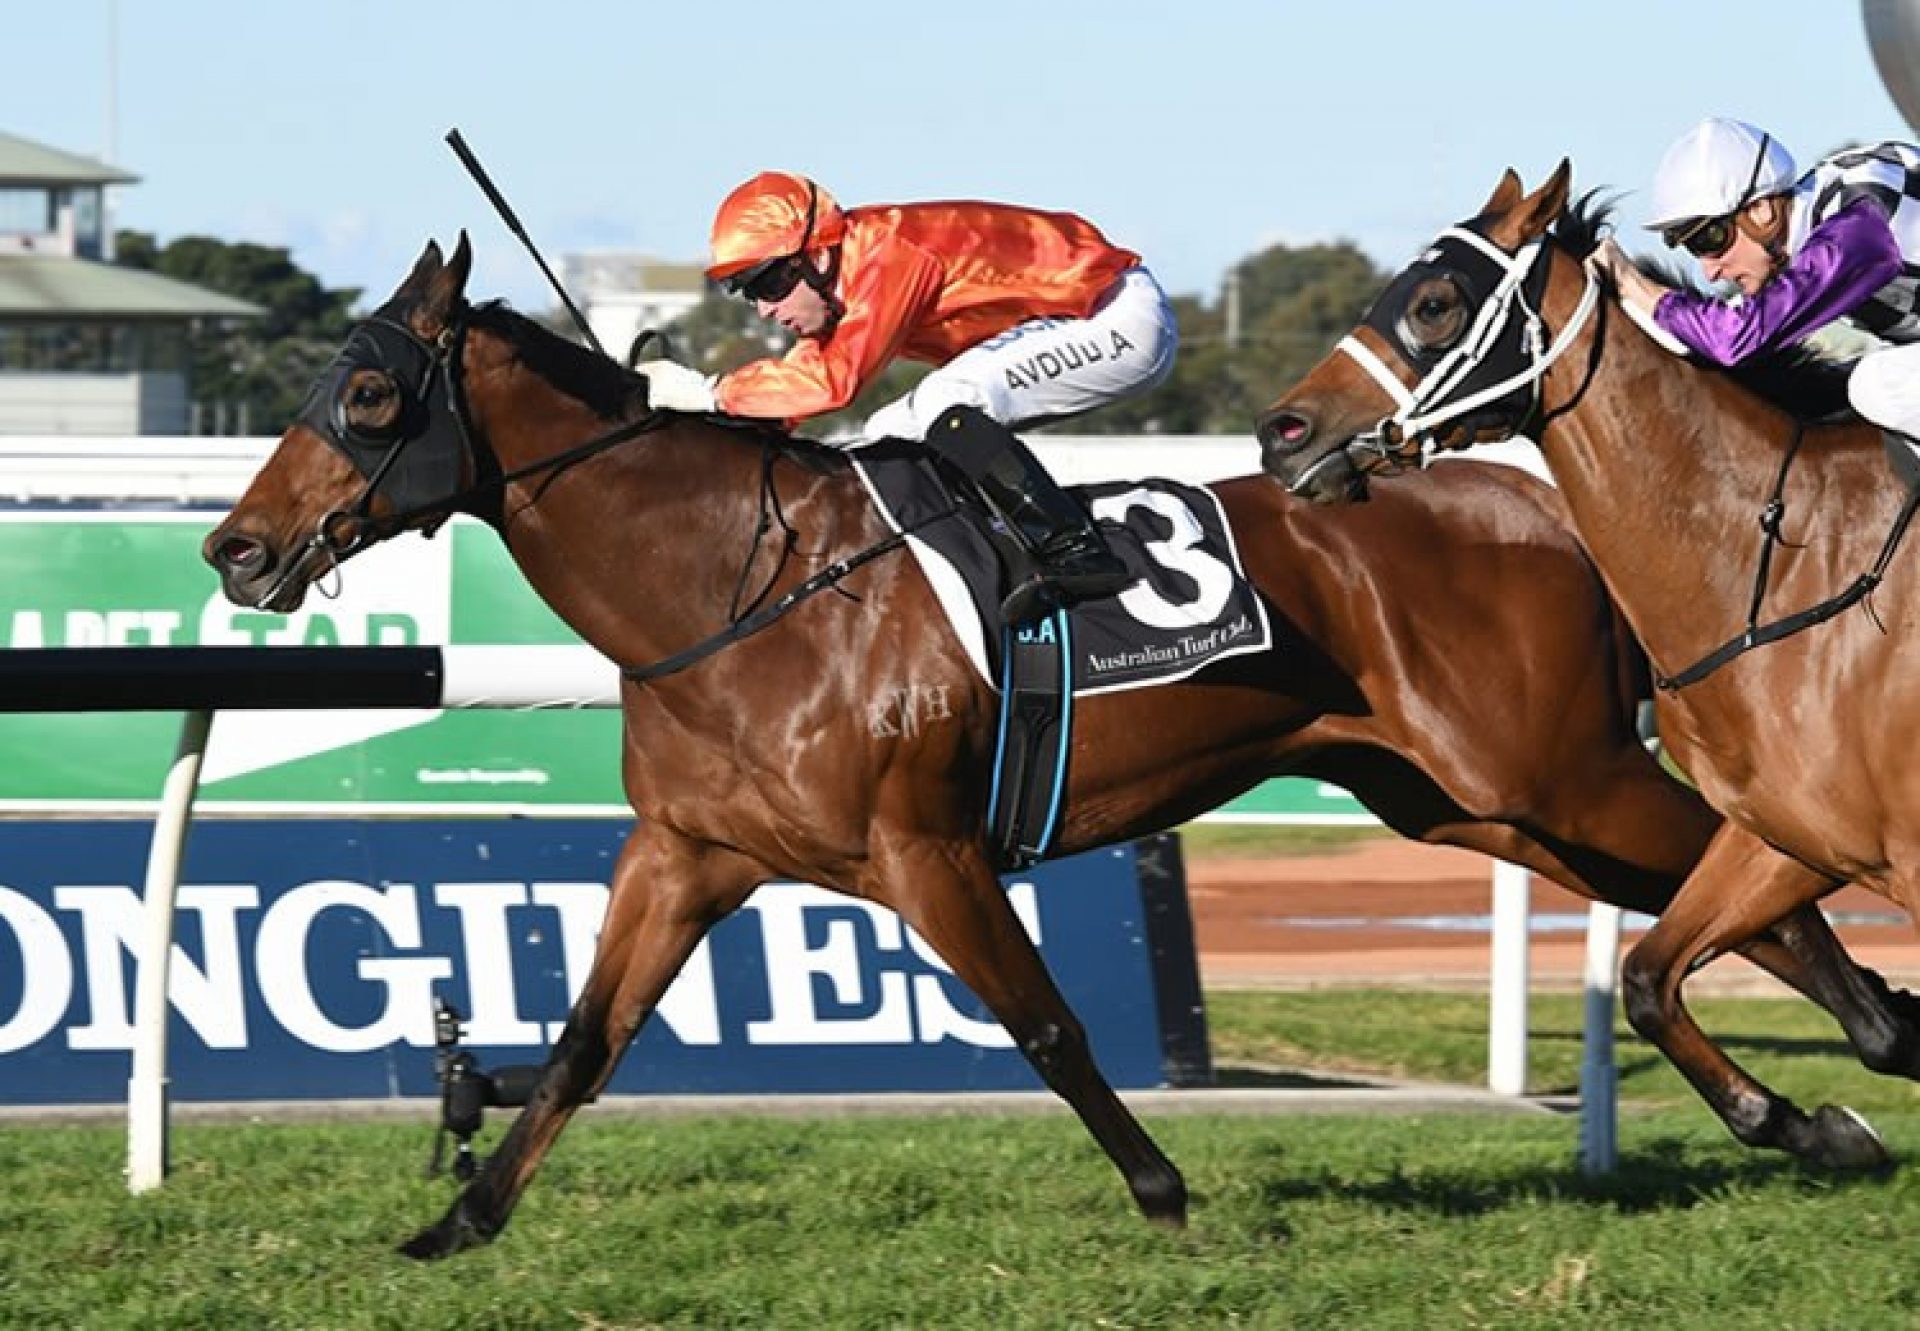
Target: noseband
{"x":1502,"y":354}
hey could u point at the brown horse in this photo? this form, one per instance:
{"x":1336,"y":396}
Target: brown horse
{"x":1449,"y":657}
{"x":1799,"y":731}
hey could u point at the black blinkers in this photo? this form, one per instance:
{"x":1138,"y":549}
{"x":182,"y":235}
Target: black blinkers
{"x":416,"y":456}
{"x":1494,"y":348}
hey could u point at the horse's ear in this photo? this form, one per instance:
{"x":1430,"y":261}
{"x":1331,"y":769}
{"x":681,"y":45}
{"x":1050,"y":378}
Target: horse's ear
{"x":1505,"y":194}
{"x":445,"y":288}
{"x":424,"y":268}
{"x":1534,"y":214}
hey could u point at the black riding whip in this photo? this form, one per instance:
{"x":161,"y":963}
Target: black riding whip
{"x":479,"y":174}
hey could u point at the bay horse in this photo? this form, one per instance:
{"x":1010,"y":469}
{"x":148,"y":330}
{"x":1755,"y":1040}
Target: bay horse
{"x":1450,"y":658}
{"x":1786,"y":693}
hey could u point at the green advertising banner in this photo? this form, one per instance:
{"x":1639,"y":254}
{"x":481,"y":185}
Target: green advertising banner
{"x":87,"y":579}
{"x":1294,"y":800}
{"x":115,"y":579}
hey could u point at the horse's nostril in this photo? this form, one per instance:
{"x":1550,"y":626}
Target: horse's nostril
{"x":240,"y":553}
{"x":1285,"y":427}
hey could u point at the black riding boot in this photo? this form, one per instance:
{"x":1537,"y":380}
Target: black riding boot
{"x":1072,"y":558}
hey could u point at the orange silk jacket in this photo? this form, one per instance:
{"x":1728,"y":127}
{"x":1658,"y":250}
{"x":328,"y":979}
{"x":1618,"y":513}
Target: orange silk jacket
{"x":927,"y":281}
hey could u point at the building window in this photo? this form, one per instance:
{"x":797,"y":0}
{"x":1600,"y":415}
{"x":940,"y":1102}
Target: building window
{"x":86,"y":223}
{"x":97,"y":348}
{"x":27,"y":212}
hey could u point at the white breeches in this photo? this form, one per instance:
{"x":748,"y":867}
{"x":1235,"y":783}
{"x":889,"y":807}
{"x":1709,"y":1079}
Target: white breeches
{"x":1885,"y":388}
{"x":1045,"y":369}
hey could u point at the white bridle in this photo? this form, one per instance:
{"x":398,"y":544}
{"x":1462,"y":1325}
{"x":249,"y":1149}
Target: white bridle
{"x":1424,"y":405}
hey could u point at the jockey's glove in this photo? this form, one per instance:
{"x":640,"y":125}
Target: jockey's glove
{"x":674,"y":387}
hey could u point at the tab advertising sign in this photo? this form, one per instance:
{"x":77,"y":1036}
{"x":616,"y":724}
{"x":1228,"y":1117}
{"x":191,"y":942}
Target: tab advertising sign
{"x":307,"y":954}
{"x":117,"y":579}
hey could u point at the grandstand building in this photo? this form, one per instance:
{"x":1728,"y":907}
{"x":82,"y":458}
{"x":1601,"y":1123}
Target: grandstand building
{"x":86,"y":347}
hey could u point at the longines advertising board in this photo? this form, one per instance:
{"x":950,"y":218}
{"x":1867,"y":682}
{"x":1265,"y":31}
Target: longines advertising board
{"x":308,"y":953}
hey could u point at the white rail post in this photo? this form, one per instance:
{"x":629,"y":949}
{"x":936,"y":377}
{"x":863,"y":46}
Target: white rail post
{"x":1599,"y":1076}
{"x":1507,"y":1003}
{"x":147,"y":1085}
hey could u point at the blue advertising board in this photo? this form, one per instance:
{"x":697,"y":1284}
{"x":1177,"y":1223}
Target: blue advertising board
{"x":307,"y":954}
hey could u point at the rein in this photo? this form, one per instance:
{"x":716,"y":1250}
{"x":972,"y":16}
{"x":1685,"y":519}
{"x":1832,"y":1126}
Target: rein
{"x":1759,"y":635}
{"x":741,"y":626}
{"x":345,"y":530}
{"x":752,"y":623}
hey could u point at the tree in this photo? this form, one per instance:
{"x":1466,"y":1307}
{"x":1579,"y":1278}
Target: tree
{"x":260,"y":369}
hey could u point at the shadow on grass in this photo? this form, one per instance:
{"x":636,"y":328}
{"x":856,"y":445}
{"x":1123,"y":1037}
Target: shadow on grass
{"x":1786,"y":1046}
{"x":1286,"y":1079}
{"x":1662,"y":1175}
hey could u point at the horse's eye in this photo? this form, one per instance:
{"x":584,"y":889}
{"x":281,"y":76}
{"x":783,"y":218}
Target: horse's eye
{"x":1435,"y":317}
{"x":370,"y":406}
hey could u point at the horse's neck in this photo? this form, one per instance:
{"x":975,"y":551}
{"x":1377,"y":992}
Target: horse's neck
{"x":640,"y":549}
{"x":1665,"y":469}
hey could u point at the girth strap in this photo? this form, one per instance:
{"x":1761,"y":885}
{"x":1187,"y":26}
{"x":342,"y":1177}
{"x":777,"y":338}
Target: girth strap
{"x":1759,"y":635}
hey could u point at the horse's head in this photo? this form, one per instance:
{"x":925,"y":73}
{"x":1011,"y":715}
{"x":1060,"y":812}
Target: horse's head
{"x":1451,"y":354}
{"x":378,"y":447}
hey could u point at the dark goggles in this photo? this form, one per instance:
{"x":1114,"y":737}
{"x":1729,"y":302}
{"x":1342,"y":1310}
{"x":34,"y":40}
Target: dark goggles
{"x":770,"y":281}
{"x":1711,"y":237}
{"x":1703,"y":238}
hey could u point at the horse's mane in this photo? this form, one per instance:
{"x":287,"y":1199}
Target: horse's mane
{"x":1797,"y":379}
{"x":610,"y":388}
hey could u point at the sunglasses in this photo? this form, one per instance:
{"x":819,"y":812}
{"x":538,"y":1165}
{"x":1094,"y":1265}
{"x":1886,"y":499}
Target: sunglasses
{"x":772,"y":280}
{"x":1711,"y":237}
{"x":769,"y":282}
{"x":1708,"y":238}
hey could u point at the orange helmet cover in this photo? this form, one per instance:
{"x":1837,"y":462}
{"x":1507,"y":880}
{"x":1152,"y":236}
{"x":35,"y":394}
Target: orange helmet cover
{"x":769,"y":217}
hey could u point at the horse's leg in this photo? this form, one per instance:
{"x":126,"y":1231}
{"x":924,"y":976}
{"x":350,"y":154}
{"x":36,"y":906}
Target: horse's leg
{"x":1880,"y":1022}
{"x":1641,"y":813}
{"x":1620,"y":830}
{"x":1800,"y":950}
{"x":1741,"y":886}
{"x":667,"y":892}
{"x":950,"y":896}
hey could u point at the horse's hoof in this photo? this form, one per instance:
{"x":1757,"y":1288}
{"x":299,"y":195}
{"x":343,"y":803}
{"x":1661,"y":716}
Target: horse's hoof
{"x":1845,"y":1141}
{"x":1164,"y":1202}
{"x":454,"y":1233}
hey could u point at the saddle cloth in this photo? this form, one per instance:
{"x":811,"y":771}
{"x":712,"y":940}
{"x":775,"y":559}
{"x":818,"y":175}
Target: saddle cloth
{"x":1192,"y":605}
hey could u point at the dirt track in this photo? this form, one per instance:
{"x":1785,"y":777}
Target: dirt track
{"x":1397,"y":911}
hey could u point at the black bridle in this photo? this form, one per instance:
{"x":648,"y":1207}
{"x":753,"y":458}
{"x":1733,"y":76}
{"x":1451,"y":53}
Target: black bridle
{"x":423,"y":452}
{"x":418,"y":459}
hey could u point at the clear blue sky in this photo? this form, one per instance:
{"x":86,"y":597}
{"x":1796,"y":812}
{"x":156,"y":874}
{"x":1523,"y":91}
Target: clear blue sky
{"x":1196,"y":133}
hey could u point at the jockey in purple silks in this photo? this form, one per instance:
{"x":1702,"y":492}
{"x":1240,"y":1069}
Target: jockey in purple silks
{"x":1840,"y":241}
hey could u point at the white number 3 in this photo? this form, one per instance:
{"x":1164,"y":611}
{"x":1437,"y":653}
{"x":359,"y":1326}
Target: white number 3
{"x":1180,"y":552}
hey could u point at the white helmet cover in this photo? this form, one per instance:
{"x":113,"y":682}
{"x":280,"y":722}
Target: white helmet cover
{"x":1716,"y":168}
